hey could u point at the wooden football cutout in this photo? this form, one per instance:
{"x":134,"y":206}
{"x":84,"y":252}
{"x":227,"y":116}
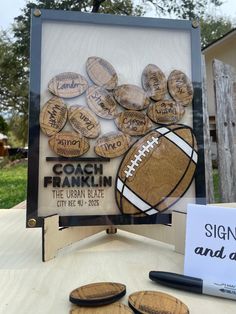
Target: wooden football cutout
{"x":101,"y":72}
{"x":131,"y":97}
{"x":112,"y":144}
{"x":133,"y":122}
{"x":84,"y":121}
{"x":166,"y":111}
{"x":53,"y":116}
{"x":180,"y":87}
{"x":69,"y":144}
{"x":68,"y":85}
{"x":115,"y":308}
{"x":99,"y":293}
{"x":101,"y":102}
{"x":147,"y":302}
{"x":154,"y":82}
{"x":156,"y":171}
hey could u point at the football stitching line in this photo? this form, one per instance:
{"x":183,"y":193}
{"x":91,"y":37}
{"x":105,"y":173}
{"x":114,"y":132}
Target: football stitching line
{"x":138,"y":158}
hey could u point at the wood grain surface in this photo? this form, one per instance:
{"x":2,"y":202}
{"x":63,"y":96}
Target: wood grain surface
{"x":133,"y":122}
{"x":115,"y":308}
{"x":84,"y":121}
{"x":180,"y":87}
{"x":166,"y":112}
{"x":155,"y":302}
{"x":154,"y":82}
{"x":69,"y":144}
{"x":53,"y":116}
{"x":101,"y":102}
{"x":68,"y":85}
{"x":101,"y":72}
{"x":99,"y":293}
{"x":131,"y":97}
{"x":164,"y":162}
{"x":112,"y":144}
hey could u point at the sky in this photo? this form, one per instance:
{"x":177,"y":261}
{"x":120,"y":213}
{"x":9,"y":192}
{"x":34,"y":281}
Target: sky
{"x":11,"y":8}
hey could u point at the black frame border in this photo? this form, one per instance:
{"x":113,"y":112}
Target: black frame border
{"x":34,"y":109}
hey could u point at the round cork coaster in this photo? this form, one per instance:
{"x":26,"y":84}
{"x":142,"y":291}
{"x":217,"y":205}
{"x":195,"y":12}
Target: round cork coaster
{"x":147,"y":302}
{"x":115,"y":308}
{"x":180,"y":87}
{"x":99,"y":293}
{"x":101,"y":72}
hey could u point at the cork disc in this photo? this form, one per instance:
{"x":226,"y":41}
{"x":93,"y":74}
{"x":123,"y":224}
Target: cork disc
{"x":68,"y":85}
{"x":53,"y":116}
{"x":101,"y":102}
{"x":133,"y":122}
{"x":180,"y":87}
{"x":166,"y":112}
{"x":154,"y":82}
{"x":101,"y":72}
{"x":131,"y":97}
{"x":115,"y":308}
{"x":84,"y":121}
{"x":100,"y":293}
{"x":112,"y":144}
{"x":69,"y":144}
{"x":147,"y":302}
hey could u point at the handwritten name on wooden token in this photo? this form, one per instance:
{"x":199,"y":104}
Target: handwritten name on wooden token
{"x":101,"y":72}
{"x":99,"y":293}
{"x":69,"y":144}
{"x":116,"y":308}
{"x":112,"y":144}
{"x":68,"y":85}
{"x":131,"y":97}
{"x":180,"y":87}
{"x":154,"y":82}
{"x":133,"y":122}
{"x":53,"y":116}
{"x":101,"y":102}
{"x":155,"y":302}
{"x":165,"y":112}
{"x":84,"y":121}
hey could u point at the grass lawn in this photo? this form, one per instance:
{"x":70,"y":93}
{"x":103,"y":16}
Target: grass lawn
{"x":13,"y":185}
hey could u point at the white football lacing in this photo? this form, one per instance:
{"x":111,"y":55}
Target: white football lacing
{"x":138,"y":158}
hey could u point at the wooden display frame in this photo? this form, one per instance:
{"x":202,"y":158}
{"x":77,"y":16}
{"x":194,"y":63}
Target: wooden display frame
{"x":72,"y":228}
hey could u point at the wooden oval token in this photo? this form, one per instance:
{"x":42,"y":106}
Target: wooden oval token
{"x":69,"y":144}
{"x":154,"y":82}
{"x":180,"y":87}
{"x":164,"y":160}
{"x":133,"y":122}
{"x":53,"y":116}
{"x":101,"y":102}
{"x":68,"y":85}
{"x":101,"y":72}
{"x":149,"y":302}
{"x":116,"y":308}
{"x":131,"y":97}
{"x":166,"y":112}
{"x":84,"y":121}
{"x":99,"y":293}
{"x":112,"y":144}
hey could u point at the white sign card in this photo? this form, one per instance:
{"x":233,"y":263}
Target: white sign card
{"x":210,"y":251}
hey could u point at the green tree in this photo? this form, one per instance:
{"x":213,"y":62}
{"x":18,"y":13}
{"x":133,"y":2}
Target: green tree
{"x":213,"y":28}
{"x":3,"y":126}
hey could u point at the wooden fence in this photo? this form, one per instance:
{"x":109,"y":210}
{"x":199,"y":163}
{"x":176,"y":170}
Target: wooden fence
{"x":225,"y":101}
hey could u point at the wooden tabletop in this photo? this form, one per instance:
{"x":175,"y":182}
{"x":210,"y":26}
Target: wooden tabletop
{"x":30,"y":286}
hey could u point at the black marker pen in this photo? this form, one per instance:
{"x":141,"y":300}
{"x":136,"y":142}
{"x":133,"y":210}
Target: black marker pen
{"x":193,"y":284}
